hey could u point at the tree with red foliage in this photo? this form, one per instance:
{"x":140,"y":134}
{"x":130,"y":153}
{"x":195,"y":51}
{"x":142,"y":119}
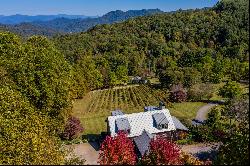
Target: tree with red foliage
{"x":178,"y":93}
{"x":73,"y":128}
{"x":162,"y":152}
{"x":117,"y":150}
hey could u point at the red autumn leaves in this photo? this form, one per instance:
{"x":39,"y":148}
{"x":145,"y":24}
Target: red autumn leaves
{"x":162,"y":152}
{"x":120,"y":150}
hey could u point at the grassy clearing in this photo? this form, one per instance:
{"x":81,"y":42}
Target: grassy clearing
{"x":96,"y":106}
{"x":186,"y":110}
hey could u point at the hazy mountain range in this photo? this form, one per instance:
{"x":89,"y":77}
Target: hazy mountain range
{"x":18,"y":18}
{"x":54,"y":24}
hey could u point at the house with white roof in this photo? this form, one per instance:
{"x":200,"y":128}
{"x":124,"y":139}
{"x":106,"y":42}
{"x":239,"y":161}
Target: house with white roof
{"x":144,"y":126}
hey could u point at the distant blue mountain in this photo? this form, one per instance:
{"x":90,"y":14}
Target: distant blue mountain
{"x":17,"y":19}
{"x":77,"y":25}
{"x":61,"y":24}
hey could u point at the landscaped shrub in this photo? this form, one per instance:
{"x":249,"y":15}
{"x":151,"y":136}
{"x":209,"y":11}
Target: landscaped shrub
{"x":187,"y":141}
{"x":72,"y":129}
{"x":214,"y":117}
{"x":118,"y":150}
{"x":183,"y":135}
{"x":178,"y":94}
{"x":188,"y":159}
{"x":219,"y":134}
{"x":231,"y":90}
{"x":200,"y":92}
{"x":162,"y":152}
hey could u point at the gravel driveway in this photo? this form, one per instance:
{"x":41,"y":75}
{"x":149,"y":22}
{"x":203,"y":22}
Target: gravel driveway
{"x":86,"y":151}
{"x":203,"y":111}
{"x":202,"y":150}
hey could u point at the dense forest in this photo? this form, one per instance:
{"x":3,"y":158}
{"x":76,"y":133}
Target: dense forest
{"x":39,"y":77}
{"x":28,"y":29}
{"x":209,"y":45}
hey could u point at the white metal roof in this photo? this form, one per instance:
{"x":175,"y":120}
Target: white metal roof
{"x":141,"y":121}
{"x":178,"y":124}
{"x":143,"y":142}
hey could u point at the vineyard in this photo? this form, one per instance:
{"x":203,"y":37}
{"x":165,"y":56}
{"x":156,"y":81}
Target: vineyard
{"x":96,"y":106}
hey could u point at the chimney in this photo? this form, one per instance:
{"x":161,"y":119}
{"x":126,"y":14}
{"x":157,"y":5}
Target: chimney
{"x":161,"y":105}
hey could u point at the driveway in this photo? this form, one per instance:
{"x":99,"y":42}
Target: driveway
{"x":202,"y":150}
{"x":203,"y":111}
{"x":87,"y":151}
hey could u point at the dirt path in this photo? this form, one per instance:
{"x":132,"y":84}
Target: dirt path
{"x":203,"y":111}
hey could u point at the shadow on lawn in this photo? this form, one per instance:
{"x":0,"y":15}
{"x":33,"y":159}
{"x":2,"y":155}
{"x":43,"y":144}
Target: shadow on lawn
{"x":94,"y":140}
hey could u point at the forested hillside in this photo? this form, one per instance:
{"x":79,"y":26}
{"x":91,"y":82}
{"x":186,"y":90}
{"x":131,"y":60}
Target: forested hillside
{"x":35,"y":95}
{"x":28,"y":29}
{"x":208,"y":45}
{"x":39,"y":78}
{"x":78,"y":25}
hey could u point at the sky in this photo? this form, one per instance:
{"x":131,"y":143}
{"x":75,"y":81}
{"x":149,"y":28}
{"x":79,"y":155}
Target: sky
{"x":94,"y":7}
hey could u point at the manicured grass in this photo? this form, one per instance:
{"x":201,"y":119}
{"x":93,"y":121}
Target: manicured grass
{"x":96,"y":106}
{"x":186,"y":110}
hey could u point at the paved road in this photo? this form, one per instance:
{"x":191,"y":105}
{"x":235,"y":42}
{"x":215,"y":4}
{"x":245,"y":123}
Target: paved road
{"x":203,"y":111}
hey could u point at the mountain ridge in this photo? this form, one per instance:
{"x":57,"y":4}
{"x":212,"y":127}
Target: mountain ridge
{"x":66,"y":25}
{"x":19,"y":18}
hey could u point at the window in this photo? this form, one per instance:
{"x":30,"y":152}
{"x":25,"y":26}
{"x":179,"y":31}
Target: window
{"x":163,"y":126}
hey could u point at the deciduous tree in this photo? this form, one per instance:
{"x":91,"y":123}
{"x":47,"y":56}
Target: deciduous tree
{"x":162,"y":152}
{"x":118,"y":150}
{"x":230,"y":90}
{"x":73,"y":128}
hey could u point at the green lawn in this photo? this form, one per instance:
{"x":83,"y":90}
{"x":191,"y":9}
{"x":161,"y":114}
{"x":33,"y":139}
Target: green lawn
{"x":96,"y":106}
{"x":186,"y":110}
